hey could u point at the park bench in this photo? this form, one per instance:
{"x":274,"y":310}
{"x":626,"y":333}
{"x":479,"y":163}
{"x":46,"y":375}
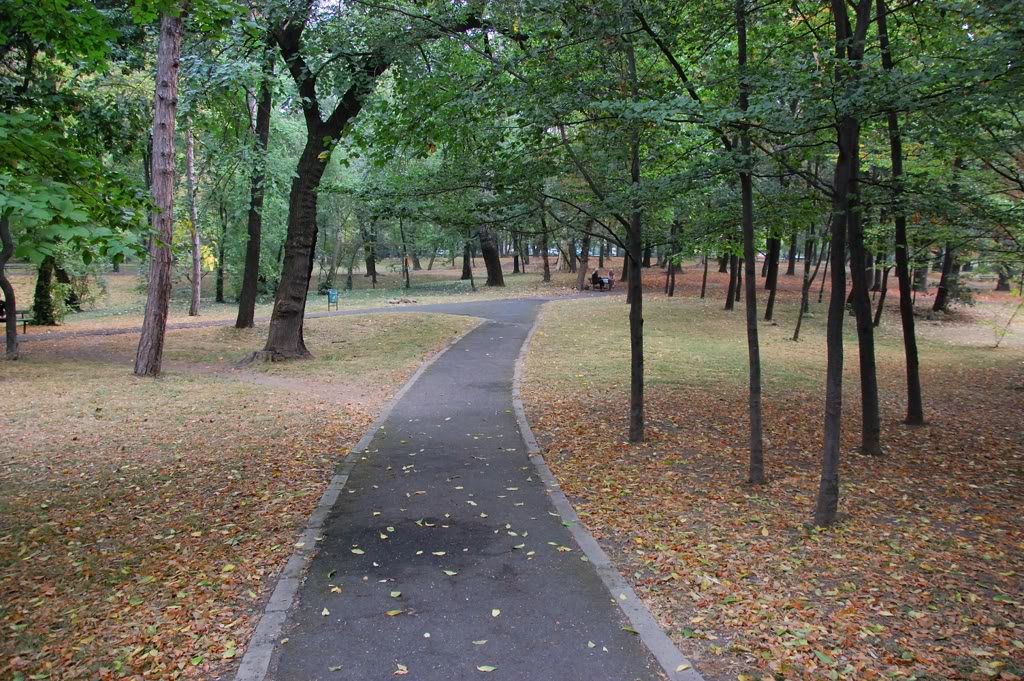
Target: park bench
{"x":602,"y":284}
{"x":23,"y":316}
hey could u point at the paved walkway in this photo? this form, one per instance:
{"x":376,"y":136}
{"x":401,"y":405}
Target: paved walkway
{"x":444,"y":556}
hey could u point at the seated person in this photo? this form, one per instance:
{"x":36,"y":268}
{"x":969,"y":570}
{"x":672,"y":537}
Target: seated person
{"x":596,"y":281}
{"x":610,"y":279}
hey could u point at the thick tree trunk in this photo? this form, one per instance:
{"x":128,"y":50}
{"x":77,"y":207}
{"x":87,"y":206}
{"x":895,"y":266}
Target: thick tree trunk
{"x":647,"y":255}
{"x":149,"y":357}
{"x":433,"y":256}
{"x":756,"y":474}
{"x":261,"y":131}
{"x":285,"y":340}
{"x":915,"y":403}
{"x":723,"y":264}
{"x":193,"y":216}
{"x":492,"y":259}
{"x":416,"y":266}
{"x":10,"y":300}
{"x":43,"y":308}
{"x":601,"y":250}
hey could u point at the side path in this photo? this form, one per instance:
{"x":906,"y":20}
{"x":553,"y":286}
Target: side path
{"x":442,"y":556}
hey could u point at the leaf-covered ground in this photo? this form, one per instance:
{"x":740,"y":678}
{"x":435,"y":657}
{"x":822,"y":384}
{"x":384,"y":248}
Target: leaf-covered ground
{"x":923,"y":577}
{"x":142,"y":522}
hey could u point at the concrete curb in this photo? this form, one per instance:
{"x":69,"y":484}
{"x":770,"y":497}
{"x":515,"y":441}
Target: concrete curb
{"x":673,"y":662}
{"x":260,"y":650}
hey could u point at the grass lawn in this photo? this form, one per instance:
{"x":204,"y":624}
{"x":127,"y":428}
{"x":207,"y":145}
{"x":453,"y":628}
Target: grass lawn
{"x":922,"y":579}
{"x":142,"y":522}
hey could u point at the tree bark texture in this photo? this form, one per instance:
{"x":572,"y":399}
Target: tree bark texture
{"x":149,"y":357}
{"x":492,"y":259}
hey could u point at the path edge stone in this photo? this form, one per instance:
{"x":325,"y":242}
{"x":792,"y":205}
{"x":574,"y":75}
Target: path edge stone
{"x":640,"y":618}
{"x":260,"y":650}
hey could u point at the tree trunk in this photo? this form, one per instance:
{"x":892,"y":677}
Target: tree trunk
{"x":730,"y":294}
{"x":739,"y":280}
{"x":772,"y":278}
{"x":884,"y":288}
{"x":880,"y":261}
{"x":845,"y":194}
{"x":416,"y":266}
{"x":647,"y":255}
{"x":261,"y":131}
{"x":10,"y":301}
{"x":723,"y":264}
{"x":584,"y":264}
{"x":602,"y":247}
{"x":915,"y":404}
{"x":405,"y":255}
{"x":149,"y":357}
{"x":544,"y":245}
{"x":756,"y":469}
{"x":805,"y":290}
{"x":467,"y":269}
{"x":433,"y":256}
{"x":791,"y":266}
{"x":704,"y":279}
{"x":492,"y":259}
{"x":871,"y":425}
{"x":285,"y":341}
{"x":824,"y":275}
{"x":370,"y":253}
{"x":193,"y":216}
{"x":1003,"y":276}
{"x":635,"y":282}
{"x":946,"y":282}
{"x":43,"y":309}
{"x":219,"y":285}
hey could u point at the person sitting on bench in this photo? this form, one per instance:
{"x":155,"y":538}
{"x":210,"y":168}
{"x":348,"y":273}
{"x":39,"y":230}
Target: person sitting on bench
{"x":610,"y":280}
{"x":596,"y":281}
